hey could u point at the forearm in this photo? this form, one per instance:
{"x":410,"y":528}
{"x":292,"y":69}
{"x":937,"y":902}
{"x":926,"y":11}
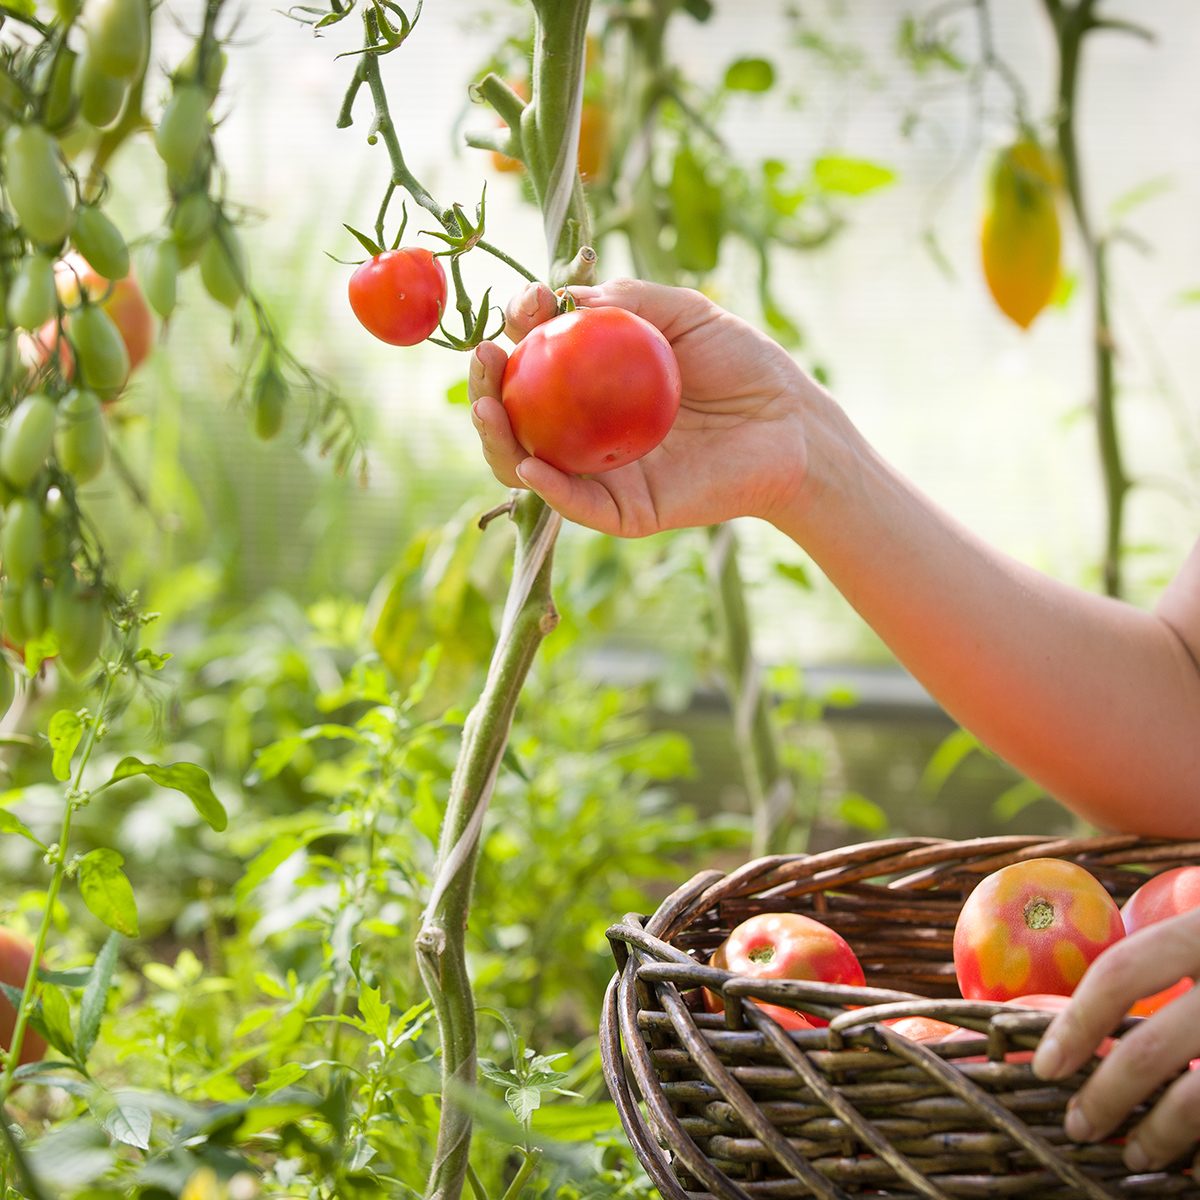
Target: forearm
{"x":1096,"y":700}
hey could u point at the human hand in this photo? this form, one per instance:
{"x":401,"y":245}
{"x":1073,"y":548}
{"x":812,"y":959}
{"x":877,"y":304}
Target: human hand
{"x":1143,"y":1058}
{"x":737,"y":447}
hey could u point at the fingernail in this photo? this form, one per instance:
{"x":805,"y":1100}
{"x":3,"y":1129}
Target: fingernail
{"x":1078,"y":1128}
{"x":1136,"y":1158}
{"x":1049,"y":1058}
{"x":475,"y":412}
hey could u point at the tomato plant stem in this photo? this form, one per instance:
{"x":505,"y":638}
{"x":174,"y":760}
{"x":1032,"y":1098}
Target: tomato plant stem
{"x":440,"y":943}
{"x":74,"y":798}
{"x":1071,"y":23}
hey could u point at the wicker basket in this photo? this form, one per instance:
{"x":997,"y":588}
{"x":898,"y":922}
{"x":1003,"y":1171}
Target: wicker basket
{"x":736,"y":1107}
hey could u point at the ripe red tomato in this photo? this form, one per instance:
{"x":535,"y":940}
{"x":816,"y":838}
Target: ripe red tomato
{"x":1034,"y":926}
{"x":15,"y":955}
{"x":123,"y":302}
{"x":922,"y":1029}
{"x":786,"y":946}
{"x":1165,"y":895}
{"x":399,"y":295}
{"x":592,"y":390}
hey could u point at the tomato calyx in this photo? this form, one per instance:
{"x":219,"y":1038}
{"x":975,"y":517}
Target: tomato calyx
{"x":474,"y":326}
{"x":470,"y":234}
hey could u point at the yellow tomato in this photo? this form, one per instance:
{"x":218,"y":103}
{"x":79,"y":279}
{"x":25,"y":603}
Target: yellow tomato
{"x":1020,"y":238}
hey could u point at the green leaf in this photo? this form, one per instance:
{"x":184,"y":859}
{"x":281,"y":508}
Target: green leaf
{"x":663,"y":755}
{"x":796,"y":573}
{"x":107,"y":891}
{"x":699,"y":213}
{"x":1014,"y":800}
{"x":150,"y":659}
{"x":376,"y":1012}
{"x":368,"y":244}
{"x":1141,"y":194}
{"x":1190,"y":296}
{"x":750,"y":75}
{"x":65,"y":734}
{"x":861,"y":813}
{"x":955,"y":747}
{"x":95,"y":995}
{"x":13,"y":824}
{"x":523,"y":1101}
{"x":185,"y":777}
{"x":281,"y":1077}
{"x":456,"y":393}
{"x":851,"y":176}
{"x":1064,"y":289}
{"x":129,"y":1122}
{"x":576,"y":1122}
{"x":38,"y":649}
{"x":56,"y":1019}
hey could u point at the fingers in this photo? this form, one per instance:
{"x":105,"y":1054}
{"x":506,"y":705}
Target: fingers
{"x":1170,"y":1130}
{"x":530,"y":307}
{"x":584,"y":501}
{"x":1137,"y":966}
{"x":674,"y":310}
{"x":501,"y":449}
{"x":1144,"y":1057}
{"x":486,"y":371}
{"x":1142,"y":1060}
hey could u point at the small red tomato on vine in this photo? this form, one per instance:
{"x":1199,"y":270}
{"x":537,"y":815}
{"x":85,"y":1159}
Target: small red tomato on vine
{"x":592,"y":390}
{"x":16,"y":953}
{"x":399,"y":295}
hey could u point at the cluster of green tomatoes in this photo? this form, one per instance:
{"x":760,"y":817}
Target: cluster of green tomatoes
{"x":77,"y":322}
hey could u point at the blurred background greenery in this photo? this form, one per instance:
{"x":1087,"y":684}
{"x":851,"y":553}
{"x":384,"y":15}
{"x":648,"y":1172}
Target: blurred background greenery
{"x":270,"y":571}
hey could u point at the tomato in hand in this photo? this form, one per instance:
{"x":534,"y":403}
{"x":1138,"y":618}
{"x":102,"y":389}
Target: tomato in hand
{"x":399,"y":295}
{"x":592,"y":390}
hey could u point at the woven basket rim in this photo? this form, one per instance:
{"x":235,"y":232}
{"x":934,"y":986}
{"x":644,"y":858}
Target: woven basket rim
{"x":647,"y":959}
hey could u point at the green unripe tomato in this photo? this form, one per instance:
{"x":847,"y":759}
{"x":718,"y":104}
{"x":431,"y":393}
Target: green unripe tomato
{"x":160,"y":275}
{"x":80,"y":441}
{"x":36,"y":187}
{"x":61,"y":105}
{"x":101,"y":96}
{"x":100,"y":351}
{"x":28,"y":439}
{"x":118,"y":35}
{"x":100,"y":242}
{"x":34,"y":607}
{"x":56,"y":533}
{"x":10,"y":609}
{"x":8,"y":684}
{"x":32,"y":295}
{"x":183,"y":130}
{"x":80,"y":623}
{"x":21,"y":540}
{"x":270,"y":400}
{"x":191,"y":223}
{"x":215,"y":62}
{"x":223,"y":266}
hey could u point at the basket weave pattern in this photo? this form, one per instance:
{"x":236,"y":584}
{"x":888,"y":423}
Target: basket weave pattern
{"x":738,"y":1108}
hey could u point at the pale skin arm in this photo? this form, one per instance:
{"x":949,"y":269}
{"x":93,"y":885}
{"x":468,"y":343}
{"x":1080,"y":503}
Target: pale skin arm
{"x":1095,"y":699}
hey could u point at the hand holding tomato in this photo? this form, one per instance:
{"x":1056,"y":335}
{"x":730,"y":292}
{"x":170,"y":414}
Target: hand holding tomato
{"x":1156,"y":1051}
{"x":737,"y":445}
